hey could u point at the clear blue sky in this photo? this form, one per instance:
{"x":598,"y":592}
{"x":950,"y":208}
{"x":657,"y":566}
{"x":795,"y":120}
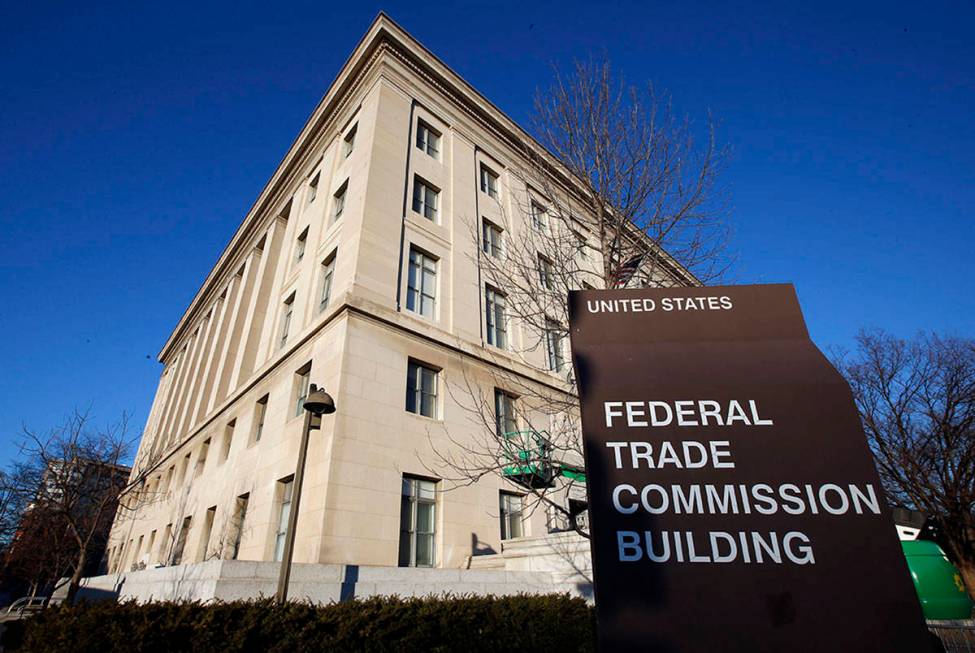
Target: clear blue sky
{"x":133,"y":140}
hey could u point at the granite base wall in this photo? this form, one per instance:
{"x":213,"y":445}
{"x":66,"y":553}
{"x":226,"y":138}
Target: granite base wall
{"x":228,"y":580}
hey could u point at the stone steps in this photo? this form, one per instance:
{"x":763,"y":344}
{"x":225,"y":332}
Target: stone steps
{"x":564,"y":556}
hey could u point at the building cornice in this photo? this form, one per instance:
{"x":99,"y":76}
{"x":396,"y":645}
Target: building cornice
{"x":273,"y":195}
{"x":383,"y":38}
{"x":352,"y":306}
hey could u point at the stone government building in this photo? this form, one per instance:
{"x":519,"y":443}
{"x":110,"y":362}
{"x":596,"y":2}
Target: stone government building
{"x":354,"y":270}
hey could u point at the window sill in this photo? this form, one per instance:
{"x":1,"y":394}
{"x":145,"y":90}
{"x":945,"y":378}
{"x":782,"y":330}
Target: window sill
{"x":424,"y":417}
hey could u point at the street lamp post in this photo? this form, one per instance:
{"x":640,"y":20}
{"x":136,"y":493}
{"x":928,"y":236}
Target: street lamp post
{"x":317,"y":404}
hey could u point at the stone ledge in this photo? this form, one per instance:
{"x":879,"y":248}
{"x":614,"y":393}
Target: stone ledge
{"x":228,"y":580}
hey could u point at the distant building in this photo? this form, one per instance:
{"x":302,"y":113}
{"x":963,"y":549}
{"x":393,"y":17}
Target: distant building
{"x":354,"y":270}
{"x":42,"y":548}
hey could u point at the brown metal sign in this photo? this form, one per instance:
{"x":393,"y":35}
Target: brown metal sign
{"x":734,"y":504}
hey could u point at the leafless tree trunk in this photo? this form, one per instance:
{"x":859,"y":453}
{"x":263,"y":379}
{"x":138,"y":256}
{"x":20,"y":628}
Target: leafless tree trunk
{"x":917,"y":403}
{"x":617,"y":191}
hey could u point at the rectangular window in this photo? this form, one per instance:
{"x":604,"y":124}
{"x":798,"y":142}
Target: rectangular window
{"x":418,"y":518}
{"x":149,"y":553}
{"x":138,"y":550}
{"x":539,"y":216}
{"x":428,"y":139}
{"x":505,"y":419}
{"x":553,"y":345}
{"x":184,"y":532}
{"x":489,"y":182}
{"x":237,"y":524}
{"x":421,"y":389}
{"x":228,"y":439}
{"x":201,"y":460}
{"x":287,"y":313}
{"x":497,"y":333}
{"x":545,"y":276}
{"x":260,"y":413}
{"x":328,"y":271}
{"x":339,"y":201}
{"x":300,"y":246}
{"x":301,"y":389}
{"x":491,"y":239}
{"x":426,"y":199}
{"x":207,"y":531}
{"x":582,"y":247}
{"x":421,"y":285}
{"x":285,"y":489}
{"x":511,"y":515}
{"x":348,"y":143}
{"x":167,"y":539}
{"x":313,"y":188}
{"x":184,"y":468}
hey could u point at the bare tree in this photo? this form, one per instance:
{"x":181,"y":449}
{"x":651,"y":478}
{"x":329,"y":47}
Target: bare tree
{"x":637,"y":177}
{"x":69,"y":481}
{"x":917,"y":403}
{"x":11,"y":507}
{"x":616,"y":191}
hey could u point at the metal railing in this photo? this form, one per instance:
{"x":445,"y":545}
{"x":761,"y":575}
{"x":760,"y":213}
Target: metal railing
{"x":24,"y":607}
{"x":955,"y":636}
{"x":529,"y":458}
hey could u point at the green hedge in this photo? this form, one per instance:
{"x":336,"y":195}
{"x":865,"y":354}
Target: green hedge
{"x":468,"y":623}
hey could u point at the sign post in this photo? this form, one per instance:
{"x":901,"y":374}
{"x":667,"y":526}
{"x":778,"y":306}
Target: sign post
{"x":734,"y":503}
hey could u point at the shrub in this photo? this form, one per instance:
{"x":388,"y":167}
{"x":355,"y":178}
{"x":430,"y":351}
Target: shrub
{"x":466,"y":623}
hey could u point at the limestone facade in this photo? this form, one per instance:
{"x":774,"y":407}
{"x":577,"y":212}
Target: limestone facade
{"x":314,"y":287}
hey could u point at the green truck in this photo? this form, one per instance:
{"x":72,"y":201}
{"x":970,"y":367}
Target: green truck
{"x":938,"y":582}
